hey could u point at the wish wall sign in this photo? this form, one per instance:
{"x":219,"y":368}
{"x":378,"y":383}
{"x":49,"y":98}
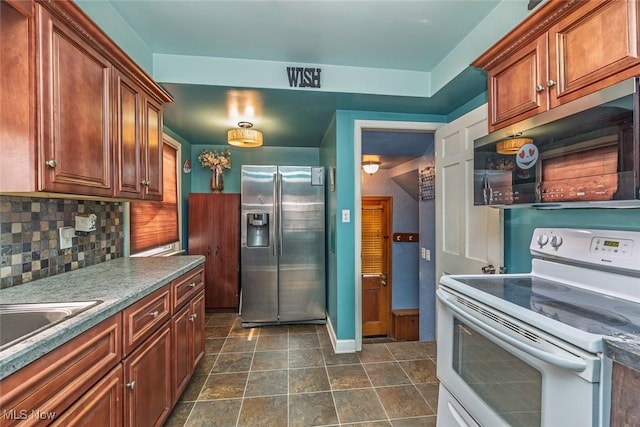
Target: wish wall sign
{"x":304,"y":77}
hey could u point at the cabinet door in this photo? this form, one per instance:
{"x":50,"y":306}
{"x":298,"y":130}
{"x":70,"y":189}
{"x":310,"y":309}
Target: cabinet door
{"x":517,"y":87}
{"x":147,"y":378}
{"x":181,"y":364}
{"x":226,"y":250}
{"x":100,"y":406}
{"x":214,"y":231}
{"x":129,"y":174}
{"x":625,"y":404}
{"x":17,"y":103}
{"x":74,"y":102}
{"x":152,"y":149}
{"x":197,"y":328}
{"x":594,"y":47}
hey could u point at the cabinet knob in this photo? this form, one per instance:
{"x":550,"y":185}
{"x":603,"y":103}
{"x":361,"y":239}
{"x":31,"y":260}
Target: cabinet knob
{"x":51,"y":163}
{"x":192,"y":284}
{"x":145,"y":183}
{"x":154,"y":313}
{"x":551,"y":83}
{"x":539,"y":88}
{"x":193,"y":317}
{"x":131,"y":385}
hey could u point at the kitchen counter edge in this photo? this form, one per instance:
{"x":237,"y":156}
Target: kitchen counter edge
{"x":117,"y":283}
{"x":624,"y":350}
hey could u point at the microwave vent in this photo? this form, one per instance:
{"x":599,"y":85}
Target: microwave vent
{"x":526,"y":333}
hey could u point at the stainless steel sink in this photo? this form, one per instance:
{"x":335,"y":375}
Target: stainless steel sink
{"x":20,"y":321}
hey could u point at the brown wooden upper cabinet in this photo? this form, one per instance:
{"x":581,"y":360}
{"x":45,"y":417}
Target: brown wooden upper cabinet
{"x":562,"y":52}
{"x":138,"y":142}
{"x":99,"y":125}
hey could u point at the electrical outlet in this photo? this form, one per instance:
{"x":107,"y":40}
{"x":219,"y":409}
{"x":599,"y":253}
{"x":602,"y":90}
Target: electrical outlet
{"x":66,"y":237}
{"x":427,"y":254}
{"x":346,"y":215}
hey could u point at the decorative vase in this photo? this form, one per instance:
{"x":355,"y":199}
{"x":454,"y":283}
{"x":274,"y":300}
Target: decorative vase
{"x":217,"y":181}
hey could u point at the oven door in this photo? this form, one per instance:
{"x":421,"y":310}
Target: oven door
{"x":504,"y":372}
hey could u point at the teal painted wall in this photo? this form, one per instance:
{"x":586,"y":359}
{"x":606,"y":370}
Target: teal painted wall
{"x":328,"y":160}
{"x":344,"y":324}
{"x":295,"y":156}
{"x":520,"y":223}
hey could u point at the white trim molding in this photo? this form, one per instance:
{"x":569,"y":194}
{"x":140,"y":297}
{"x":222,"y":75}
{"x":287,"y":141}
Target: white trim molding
{"x":358,"y":127}
{"x":339,"y":346}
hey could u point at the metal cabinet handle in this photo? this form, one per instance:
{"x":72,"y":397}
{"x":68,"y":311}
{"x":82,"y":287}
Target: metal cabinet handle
{"x":550,"y":83}
{"x":192,"y":284}
{"x":193,"y":317}
{"x":51,"y":163}
{"x":154,"y":313}
{"x":131,"y":385}
{"x":539,"y":88}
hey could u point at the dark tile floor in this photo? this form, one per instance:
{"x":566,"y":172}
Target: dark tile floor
{"x":289,"y":376}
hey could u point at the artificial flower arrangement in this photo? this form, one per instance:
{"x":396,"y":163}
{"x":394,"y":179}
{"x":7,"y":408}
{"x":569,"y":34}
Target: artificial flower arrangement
{"x":214,"y":160}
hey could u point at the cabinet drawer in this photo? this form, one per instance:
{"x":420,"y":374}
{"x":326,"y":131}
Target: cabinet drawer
{"x":54,"y":382}
{"x":186,"y":287}
{"x":144,"y":317}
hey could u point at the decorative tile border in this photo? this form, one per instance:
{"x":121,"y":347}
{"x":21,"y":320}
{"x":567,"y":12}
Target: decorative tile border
{"x":29,"y":239}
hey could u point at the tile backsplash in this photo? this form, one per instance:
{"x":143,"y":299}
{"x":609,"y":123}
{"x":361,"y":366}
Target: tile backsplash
{"x":29,"y":237}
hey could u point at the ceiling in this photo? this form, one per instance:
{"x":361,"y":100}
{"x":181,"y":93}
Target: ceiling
{"x":379,"y":34}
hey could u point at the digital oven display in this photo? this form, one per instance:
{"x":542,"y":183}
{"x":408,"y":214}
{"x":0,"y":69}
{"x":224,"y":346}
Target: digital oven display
{"x":611,"y":243}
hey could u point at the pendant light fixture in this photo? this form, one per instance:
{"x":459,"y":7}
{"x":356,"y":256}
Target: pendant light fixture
{"x":244,"y":136}
{"x":512,"y":145}
{"x":370,"y":166}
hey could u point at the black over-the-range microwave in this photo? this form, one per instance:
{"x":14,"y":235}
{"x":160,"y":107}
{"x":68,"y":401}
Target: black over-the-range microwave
{"x":585,"y":153}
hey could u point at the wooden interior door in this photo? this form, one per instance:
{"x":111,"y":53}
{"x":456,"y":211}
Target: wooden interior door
{"x":376,"y":265}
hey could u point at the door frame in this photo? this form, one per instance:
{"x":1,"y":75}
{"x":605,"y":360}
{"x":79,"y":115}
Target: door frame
{"x":358,"y":127}
{"x":388,"y":202}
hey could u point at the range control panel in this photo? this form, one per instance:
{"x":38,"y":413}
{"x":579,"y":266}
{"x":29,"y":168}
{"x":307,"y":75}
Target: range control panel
{"x":611,"y":248}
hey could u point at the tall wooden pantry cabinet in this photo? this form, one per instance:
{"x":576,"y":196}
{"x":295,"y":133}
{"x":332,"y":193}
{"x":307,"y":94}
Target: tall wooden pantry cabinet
{"x":214,"y":231}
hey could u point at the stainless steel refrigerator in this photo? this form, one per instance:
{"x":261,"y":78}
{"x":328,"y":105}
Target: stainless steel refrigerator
{"x":282,"y":245}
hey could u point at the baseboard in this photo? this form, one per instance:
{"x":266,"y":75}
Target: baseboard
{"x":340,"y":346}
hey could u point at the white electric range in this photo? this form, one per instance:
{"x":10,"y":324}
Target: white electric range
{"x":526,"y":349}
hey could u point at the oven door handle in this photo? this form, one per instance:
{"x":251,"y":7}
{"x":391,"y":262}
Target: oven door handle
{"x":553,"y":359}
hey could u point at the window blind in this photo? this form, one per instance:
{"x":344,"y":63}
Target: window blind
{"x":372,"y":240}
{"x":155,"y":224}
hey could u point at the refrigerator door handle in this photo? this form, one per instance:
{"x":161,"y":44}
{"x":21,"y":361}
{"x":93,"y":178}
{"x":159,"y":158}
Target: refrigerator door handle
{"x":275,"y":214}
{"x":280,"y":242}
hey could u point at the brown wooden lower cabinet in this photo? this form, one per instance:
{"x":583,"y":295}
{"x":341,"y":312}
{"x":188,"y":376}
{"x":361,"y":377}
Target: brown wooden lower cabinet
{"x":51,"y":384}
{"x":147,"y":378}
{"x":95,"y":380}
{"x":187,"y":327}
{"x":100,"y":406}
{"x":625,"y":401}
